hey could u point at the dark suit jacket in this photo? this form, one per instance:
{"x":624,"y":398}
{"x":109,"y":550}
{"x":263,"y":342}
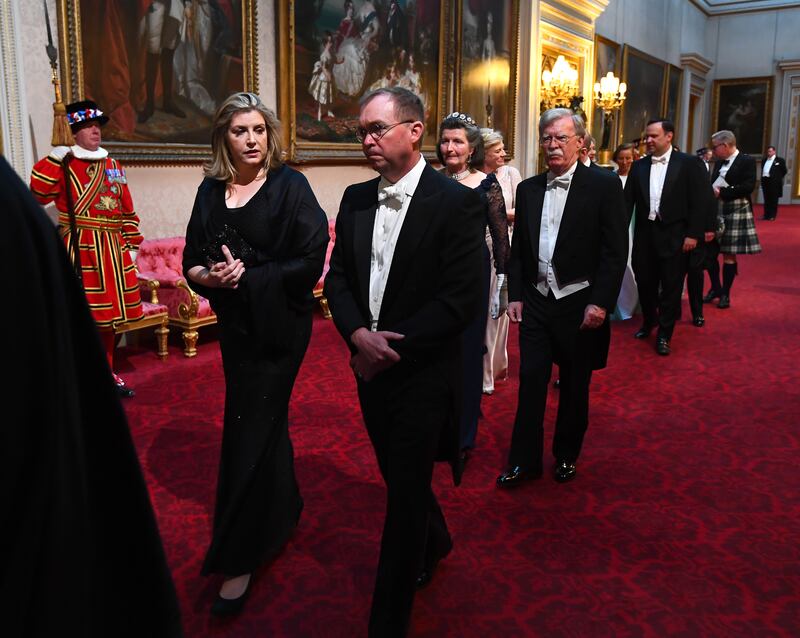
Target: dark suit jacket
{"x":433,"y":290}
{"x":684,"y":202}
{"x":741,"y":176}
{"x":431,"y":294}
{"x":778,"y":170}
{"x":592,"y":242}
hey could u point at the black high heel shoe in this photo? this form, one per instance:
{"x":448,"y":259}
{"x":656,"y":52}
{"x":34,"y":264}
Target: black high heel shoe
{"x":230,"y":606}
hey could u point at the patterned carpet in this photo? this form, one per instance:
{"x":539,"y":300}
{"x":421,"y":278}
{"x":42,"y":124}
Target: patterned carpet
{"x":684,"y":519}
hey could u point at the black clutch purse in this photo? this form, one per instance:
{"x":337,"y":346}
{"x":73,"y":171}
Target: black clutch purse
{"x":239,"y":248}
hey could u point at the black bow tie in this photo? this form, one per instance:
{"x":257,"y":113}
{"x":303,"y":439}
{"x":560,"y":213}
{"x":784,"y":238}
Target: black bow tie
{"x":725,"y":162}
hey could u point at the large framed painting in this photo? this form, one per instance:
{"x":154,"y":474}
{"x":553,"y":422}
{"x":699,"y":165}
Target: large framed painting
{"x":487,"y":46}
{"x":646,"y":78}
{"x":672,"y":97}
{"x":743,"y":106}
{"x":333,"y":52}
{"x":607,"y":57}
{"x":159,"y":69}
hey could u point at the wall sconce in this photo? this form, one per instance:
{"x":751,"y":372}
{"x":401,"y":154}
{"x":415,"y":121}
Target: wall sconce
{"x":559,"y":86}
{"x":609,"y":94}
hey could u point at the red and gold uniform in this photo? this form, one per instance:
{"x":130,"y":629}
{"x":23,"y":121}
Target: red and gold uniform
{"x":107,"y":226}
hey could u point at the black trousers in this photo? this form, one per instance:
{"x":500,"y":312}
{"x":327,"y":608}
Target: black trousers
{"x":771,"y":189}
{"x":659,"y":280}
{"x":473,"y":347}
{"x":695,"y":267}
{"x":405,"y":412}
{"x":549,"y":333}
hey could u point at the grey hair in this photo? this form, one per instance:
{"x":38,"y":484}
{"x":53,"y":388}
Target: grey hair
{"x":491,"y":138}
{"x":221,"y":164}
{"x":588,"y":140}
{"x":551,"y":115}
{"x":724,"y":137}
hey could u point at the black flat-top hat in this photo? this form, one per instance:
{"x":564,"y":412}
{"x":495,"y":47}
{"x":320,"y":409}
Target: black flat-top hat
{"x":79,"y":113}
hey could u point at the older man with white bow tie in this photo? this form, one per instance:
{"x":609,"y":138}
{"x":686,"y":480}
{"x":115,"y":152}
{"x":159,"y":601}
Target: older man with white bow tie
{"x":672,"y":198}
{"x":568,"y":256}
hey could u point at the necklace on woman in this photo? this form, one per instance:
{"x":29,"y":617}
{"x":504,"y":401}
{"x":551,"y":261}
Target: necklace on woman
{"x":459,"y":176}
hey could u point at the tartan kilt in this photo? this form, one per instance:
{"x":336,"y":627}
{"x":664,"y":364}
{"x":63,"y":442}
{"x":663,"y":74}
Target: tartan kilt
{"x":739,"y":235}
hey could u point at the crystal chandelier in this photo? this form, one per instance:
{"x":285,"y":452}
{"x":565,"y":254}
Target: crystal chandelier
{"x":560,"y":85}
{"x":609,"y":93}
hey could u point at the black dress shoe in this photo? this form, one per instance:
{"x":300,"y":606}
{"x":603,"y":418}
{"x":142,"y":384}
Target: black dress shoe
{"x":712,"y":294}
{"x":724,"y":302}
{"x":517,"y":475}
{"x":643,"y":332}
{"x":426,"y":575}
{"x":463,"y":457}
{"x":124,"y":391}
{"x":699,"y":321}
{"x":564,"y":471}
{"x":662,"y":346}
{"x":230,"y":606}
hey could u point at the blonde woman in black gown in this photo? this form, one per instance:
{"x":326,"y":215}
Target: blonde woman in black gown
{"x":255,"y":247}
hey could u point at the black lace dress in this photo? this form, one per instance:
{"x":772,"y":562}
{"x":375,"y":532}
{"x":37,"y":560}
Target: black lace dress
{"x":473,"y":341}
{"x":265,"y":327}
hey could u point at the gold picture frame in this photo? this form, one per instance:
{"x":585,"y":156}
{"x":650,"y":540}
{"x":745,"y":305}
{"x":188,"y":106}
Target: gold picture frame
{"x":107,"y":59}
{"x":607,"y":57}
{"x":331,"y":54}
{"x":646,"y":77}
{"x":744,"y":106}
{"x":487,"y":53}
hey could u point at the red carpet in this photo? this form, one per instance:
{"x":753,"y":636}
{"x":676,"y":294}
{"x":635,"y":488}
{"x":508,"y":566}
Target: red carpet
{"x":684,"y":519}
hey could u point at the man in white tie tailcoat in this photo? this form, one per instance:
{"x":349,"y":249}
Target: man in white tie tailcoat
{"x":568,"y":257}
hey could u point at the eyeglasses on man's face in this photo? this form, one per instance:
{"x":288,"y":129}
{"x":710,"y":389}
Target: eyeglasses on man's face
{"x":376,"y":130}
{"x":561,"y":140}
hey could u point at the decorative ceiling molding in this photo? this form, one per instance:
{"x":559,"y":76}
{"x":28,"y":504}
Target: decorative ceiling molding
{"x":574,"y":16}
{"x":588,"y":9}
{"x":727,"y":7}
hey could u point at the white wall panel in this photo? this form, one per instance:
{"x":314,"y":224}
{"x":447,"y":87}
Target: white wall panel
{"x":746,"y":45}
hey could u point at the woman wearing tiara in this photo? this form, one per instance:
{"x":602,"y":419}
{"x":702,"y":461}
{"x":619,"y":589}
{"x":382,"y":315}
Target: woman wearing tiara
{"x":460,"y":150}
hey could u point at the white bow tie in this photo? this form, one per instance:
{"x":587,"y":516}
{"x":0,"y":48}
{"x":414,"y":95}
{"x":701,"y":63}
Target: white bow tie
{"x":659,"y":160}
{"x":562,"y":181}
{"x":395,"y":192}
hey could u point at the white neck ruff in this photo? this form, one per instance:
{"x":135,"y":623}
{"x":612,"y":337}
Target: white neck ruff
{"x":84,"y":154}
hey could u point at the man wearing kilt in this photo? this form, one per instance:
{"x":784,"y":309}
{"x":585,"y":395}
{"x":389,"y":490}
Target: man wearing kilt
{"x":733,"y":180}
{"x":97,"y":208}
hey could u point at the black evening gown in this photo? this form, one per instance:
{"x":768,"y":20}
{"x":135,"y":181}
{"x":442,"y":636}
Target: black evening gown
{"x":265,"y":327}
{"x":79,"y":546}
{"x":474,"y":337}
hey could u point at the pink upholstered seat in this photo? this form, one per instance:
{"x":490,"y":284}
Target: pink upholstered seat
{"x":154,"y":315}
{"x":318,"y":288}
{"x":162,"y":260}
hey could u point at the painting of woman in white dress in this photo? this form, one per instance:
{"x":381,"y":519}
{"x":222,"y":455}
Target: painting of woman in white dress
{"x":345,"y":48}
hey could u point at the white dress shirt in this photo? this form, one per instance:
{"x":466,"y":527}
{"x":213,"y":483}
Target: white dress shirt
{"x":393,"y":202}
{"x":658,"y":171}
{"x":555,"y":198}
{"x":768,"y":166}
{"x":726,"y":164}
